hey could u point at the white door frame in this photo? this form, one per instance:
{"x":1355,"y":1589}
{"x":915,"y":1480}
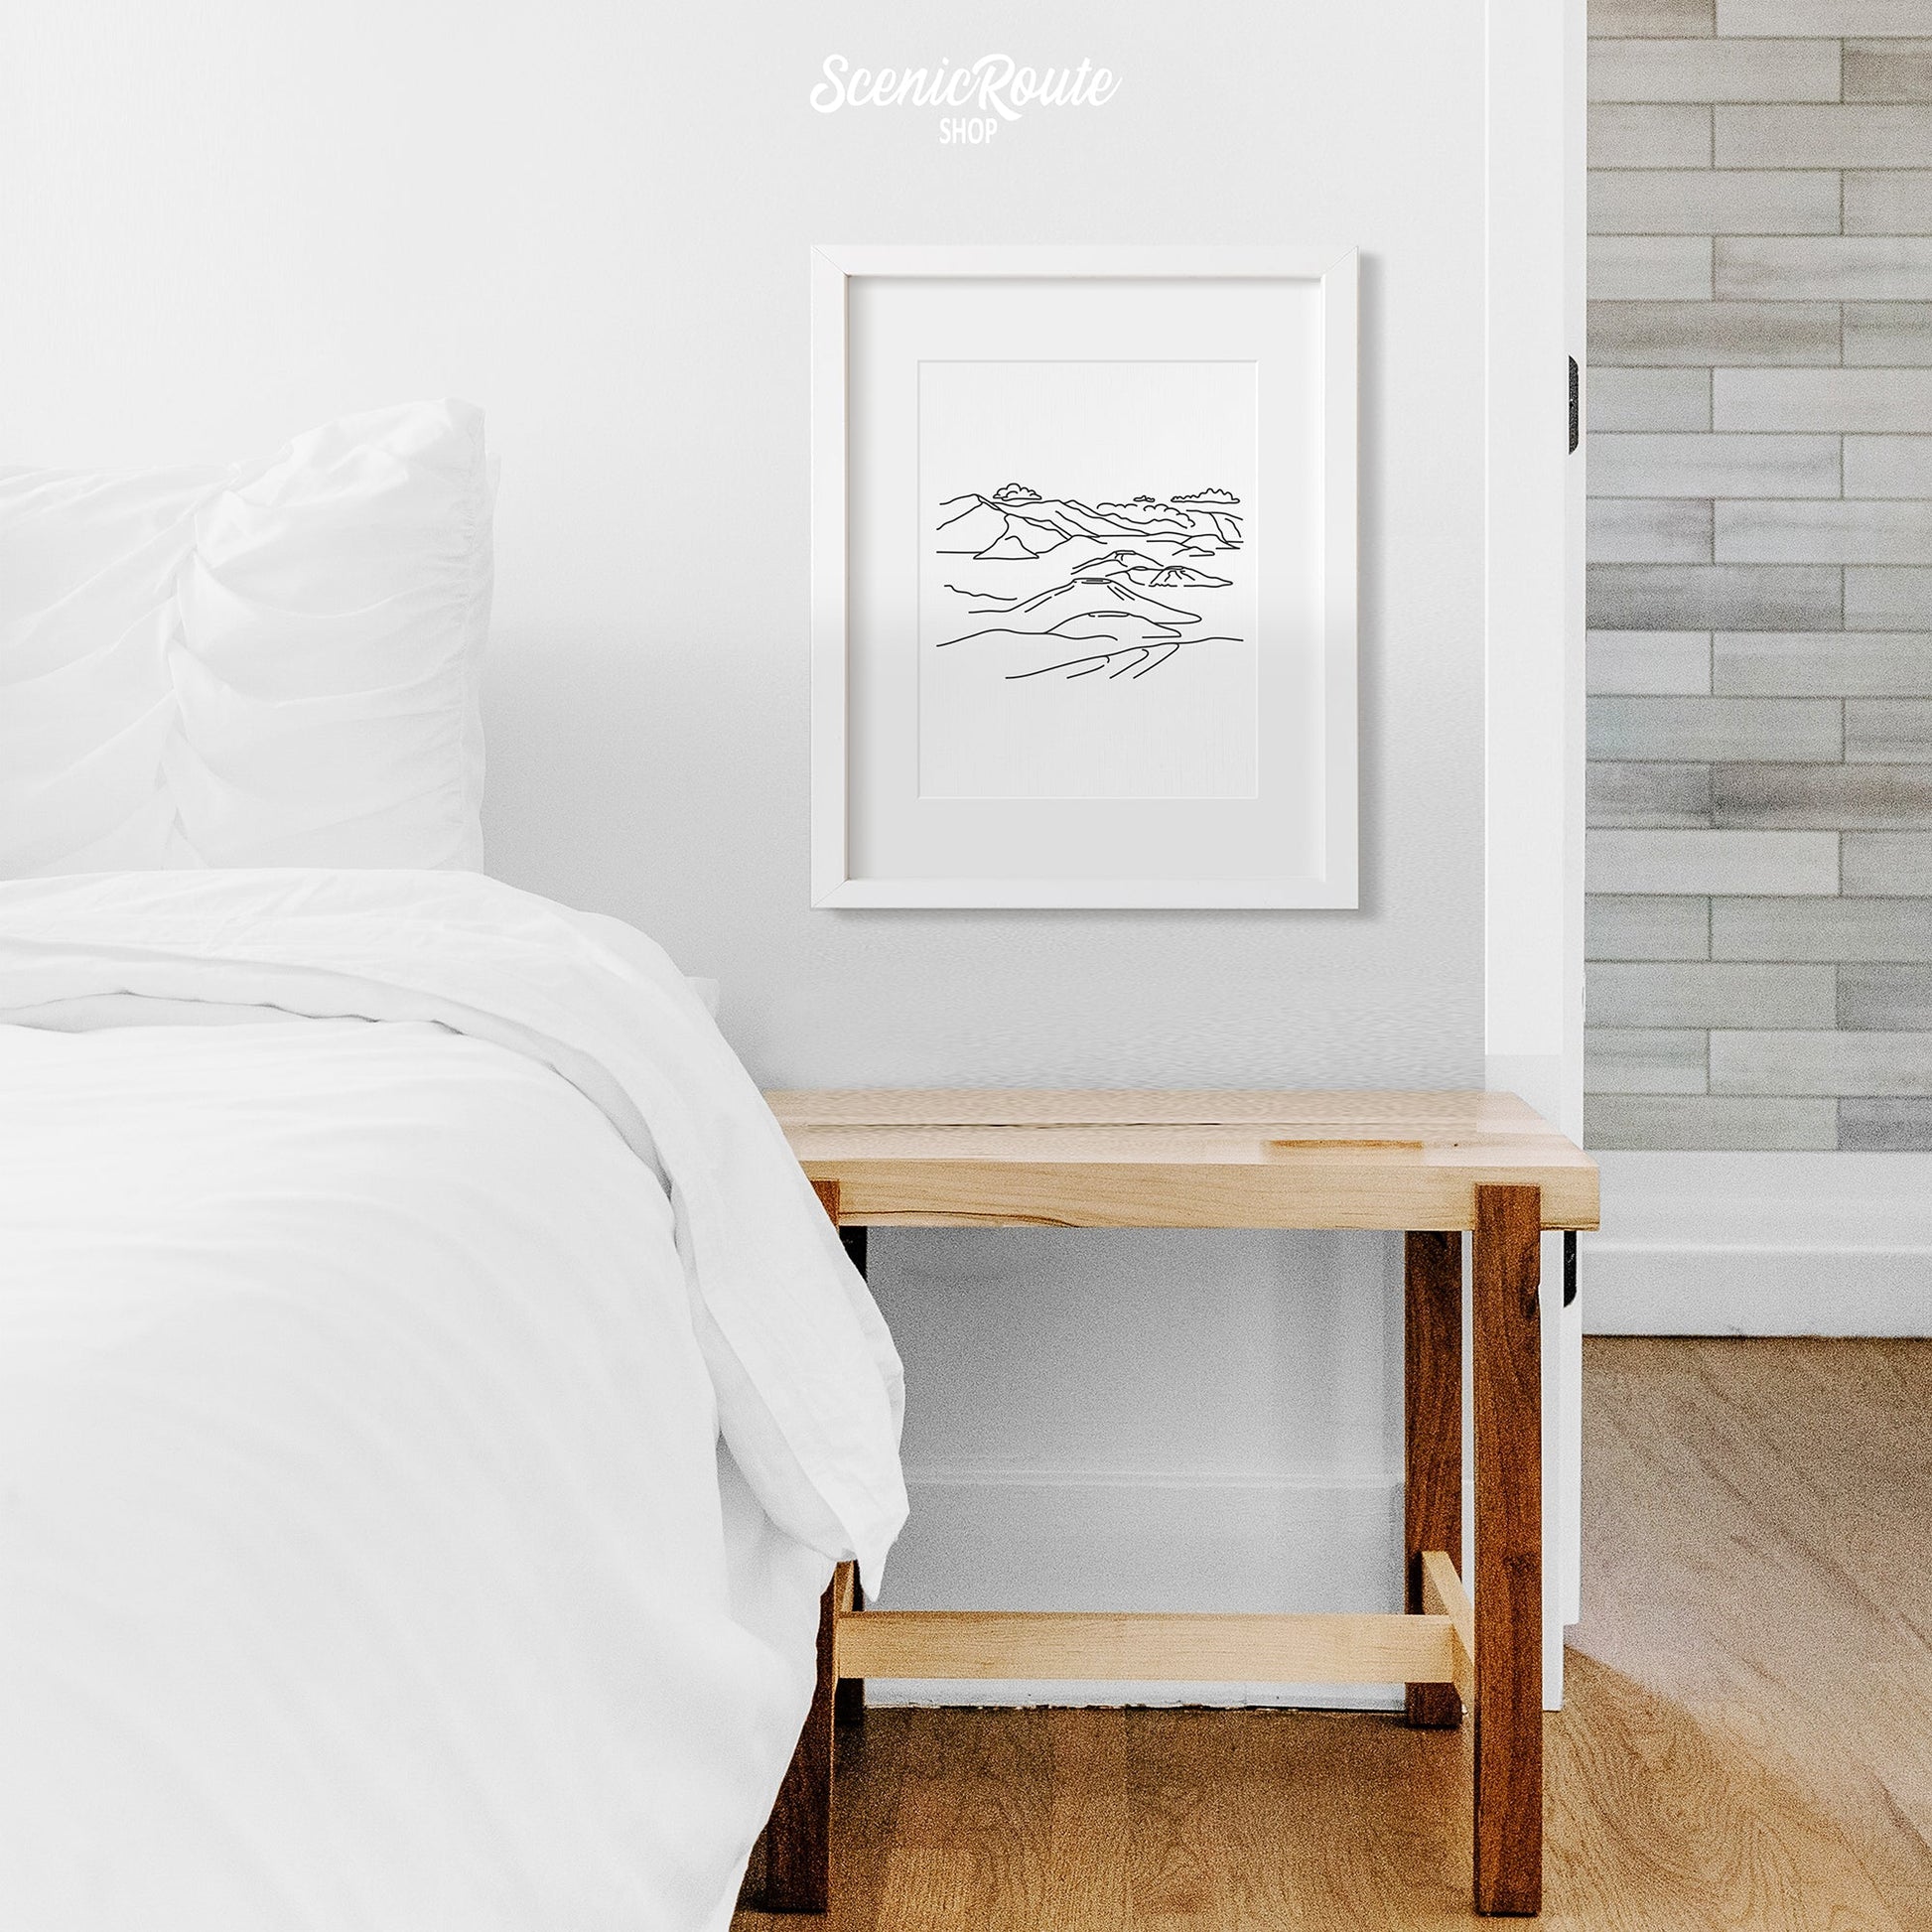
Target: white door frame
{"x":1534,"y":702}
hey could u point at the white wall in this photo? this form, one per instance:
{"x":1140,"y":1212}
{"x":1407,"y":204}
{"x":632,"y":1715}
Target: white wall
{"x":222,"y":222}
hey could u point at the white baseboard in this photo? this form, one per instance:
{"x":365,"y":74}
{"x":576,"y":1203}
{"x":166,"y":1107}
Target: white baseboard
{"x":1761,"y":1244}
{"x":1047,"y":1541}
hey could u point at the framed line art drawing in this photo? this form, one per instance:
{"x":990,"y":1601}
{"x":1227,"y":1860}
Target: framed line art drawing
{"x":1083,"y":577}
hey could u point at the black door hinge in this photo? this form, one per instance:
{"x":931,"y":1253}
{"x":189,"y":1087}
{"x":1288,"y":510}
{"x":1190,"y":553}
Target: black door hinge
{"x":1575,"y":406}
{"x":1569,"y":1244}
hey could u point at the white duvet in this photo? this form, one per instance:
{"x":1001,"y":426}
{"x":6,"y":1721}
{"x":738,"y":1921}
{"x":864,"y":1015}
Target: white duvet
{"x":383,"y":1258}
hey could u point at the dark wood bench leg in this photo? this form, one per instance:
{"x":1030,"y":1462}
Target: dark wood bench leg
{"x":849,"y":1695}
{"x":1508,"y":1592}
{"x":1432,"y":1403}
{"x":798,"y":1836}
{"x":849,"y":1701}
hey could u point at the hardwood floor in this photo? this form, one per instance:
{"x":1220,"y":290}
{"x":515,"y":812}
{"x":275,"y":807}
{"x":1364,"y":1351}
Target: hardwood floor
{"x":1746,"y":1740}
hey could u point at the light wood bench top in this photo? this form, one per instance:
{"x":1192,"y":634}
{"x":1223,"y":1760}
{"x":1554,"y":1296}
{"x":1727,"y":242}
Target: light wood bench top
{"x":1166,"y":1157}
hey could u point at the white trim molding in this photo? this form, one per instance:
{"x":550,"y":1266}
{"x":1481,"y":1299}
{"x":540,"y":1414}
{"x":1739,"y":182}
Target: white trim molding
{"x":1761,"y":1244}
{"x":1533,"y":968}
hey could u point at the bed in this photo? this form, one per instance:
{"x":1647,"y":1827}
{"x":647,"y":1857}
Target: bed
{"x":432,"y":1401}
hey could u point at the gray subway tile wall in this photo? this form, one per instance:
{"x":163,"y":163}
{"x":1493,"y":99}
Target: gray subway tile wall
{"x":1673,"y":134}
{"x":1814,"y":664}
{"x":1841,"y":1061}
{"x":1703,"y":861}
{"x":1821,"y":533}
{"x":1874,"y":268}
{"x":1822,"y":798}
{"x":1888,"y":466}
{"x":1837,"y":400}
{"x":1648,"y":794}
{"x":1655,"y":330}
{"x":1856,"y":136}
{"x":1885,"y":1125}
{"x":1716,"y":728}
{"x":1887,"y":70}
{"x":1645,"y":1059}
{"x":1881,"y":202}
{"x":1716,"y":465}
{"x":1891,"y":334}
{"x":1671,"y":663}
{"x":1705,"y":201}
{"x":1640,"y":926}
{"x":1887,"y":17}
{"x":1650,"y":267}
{"x":1890,"y":931}
{"x":1759,"y":918}
{"x":1897,"y":864}
{"x":1696,"y":993}
{"x":1889,"y":730}
{"x":1708,"y":597}
{"x":1708,"y":1120}
{"x":1648,"y":399}
{"x":1705,"y":69}
{"x":1886,"y":999}
{"x":1640,"y":532}
{"x":1888,"y":597}
{"x":1639,"y":19}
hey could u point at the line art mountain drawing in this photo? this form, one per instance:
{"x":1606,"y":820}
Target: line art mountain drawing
{"x":1152,"y":573}
{"x":1103,"y":598}
{"x":1016,"y":522}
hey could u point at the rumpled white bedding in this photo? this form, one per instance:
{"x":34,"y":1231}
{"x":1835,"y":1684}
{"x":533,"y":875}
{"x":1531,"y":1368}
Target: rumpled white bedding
{"x":370,"y":1556}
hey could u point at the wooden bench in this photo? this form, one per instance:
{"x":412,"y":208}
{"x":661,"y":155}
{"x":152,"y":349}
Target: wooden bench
{"x":1430,"y":1165}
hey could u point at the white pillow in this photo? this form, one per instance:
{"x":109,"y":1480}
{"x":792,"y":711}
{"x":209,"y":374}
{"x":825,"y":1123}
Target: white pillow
{"x":272,"y":663}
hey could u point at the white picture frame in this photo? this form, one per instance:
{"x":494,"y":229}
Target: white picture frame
{"x":1302,"y":809}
